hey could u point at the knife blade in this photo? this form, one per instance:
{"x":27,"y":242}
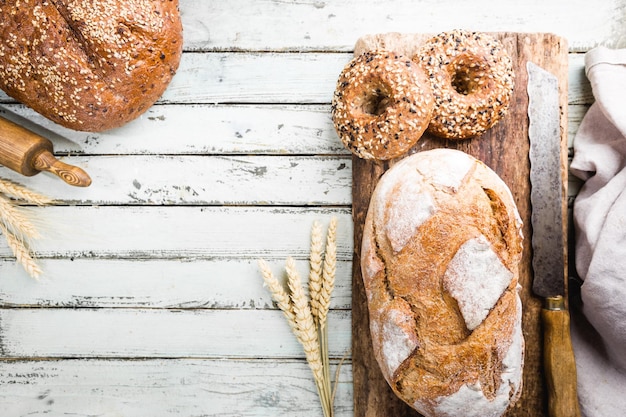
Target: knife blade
{"x":548,"y":240}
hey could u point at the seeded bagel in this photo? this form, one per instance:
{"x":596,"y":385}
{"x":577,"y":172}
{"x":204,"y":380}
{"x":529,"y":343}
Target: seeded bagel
{"x":472,"y":80}
{"x":382,"y":105}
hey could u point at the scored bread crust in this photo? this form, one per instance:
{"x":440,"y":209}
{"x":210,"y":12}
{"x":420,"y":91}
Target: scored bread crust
{"x":89,"y":65}
{"x":440,"y":253}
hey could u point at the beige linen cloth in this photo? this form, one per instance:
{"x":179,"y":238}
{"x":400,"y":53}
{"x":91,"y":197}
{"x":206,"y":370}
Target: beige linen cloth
{"x":599,"y":309}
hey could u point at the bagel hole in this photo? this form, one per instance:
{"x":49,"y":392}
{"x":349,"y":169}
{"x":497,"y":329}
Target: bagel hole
{"x":375,"y":103}
{"x":467,"y":76}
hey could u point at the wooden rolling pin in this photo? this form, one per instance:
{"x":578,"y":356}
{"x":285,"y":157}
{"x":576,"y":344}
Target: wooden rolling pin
{"x":28,"y":153}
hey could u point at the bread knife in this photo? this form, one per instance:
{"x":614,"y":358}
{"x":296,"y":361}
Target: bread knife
{"x":28,"y":153}
{"x":548,"y":245}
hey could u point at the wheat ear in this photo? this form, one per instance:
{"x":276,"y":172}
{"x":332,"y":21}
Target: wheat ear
{"x":21,"y":252}
{"x":329,"y":270}
{"x":279,"y":294}
{"x":304,"y":319}
{"x":315,"y":274}
{"x":20,"y":192}
{"x":15,"y":221}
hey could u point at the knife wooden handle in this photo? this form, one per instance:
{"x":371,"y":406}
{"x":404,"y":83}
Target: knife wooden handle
{"x":559,"y":364}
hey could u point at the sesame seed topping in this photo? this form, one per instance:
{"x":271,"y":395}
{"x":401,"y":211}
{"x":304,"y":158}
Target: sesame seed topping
{"x":379,"y":98}
{"x":51,"y":51}
{"x":472,"y":80}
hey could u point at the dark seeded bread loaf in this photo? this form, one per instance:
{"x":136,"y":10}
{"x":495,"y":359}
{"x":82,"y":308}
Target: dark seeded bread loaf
{"x":440,"y":254}
{"x":89,"y":65}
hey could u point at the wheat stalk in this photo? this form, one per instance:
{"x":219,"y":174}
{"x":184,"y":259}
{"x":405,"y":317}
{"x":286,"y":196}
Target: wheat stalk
{"x":337,"y":373}
{"x":307,"y":317}
{"x":328,"y":284}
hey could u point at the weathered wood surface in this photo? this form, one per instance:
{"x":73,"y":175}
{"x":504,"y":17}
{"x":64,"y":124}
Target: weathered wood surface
{"x":161,"y":333}
{"x":155,"y":232}
{"x":269,"y":78}
{"x":504,"y":148}
{"x":165,"y":388}
{"x":253,"y":90}
{"x":313,"y":25}
{"x":206,"y":180}
{"x":231,"y":283}
{"x":209,"y":130}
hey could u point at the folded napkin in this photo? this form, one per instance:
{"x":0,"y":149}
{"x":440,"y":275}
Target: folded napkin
{"x":599,"y":310}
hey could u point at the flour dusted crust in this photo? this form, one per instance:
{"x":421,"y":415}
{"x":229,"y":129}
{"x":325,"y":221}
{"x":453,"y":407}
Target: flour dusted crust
{"x":89,"y":65}
{"x":440,"y":254}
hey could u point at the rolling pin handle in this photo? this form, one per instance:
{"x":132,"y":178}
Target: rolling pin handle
{"x":45,"y":161}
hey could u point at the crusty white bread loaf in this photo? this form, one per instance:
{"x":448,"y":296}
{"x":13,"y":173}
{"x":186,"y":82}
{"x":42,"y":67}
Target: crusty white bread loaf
{"x":89,"y":65}
{"x":440,"y":253}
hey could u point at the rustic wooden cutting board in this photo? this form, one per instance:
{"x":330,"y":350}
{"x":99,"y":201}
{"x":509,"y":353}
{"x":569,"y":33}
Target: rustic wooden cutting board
{"x":504,"y":148}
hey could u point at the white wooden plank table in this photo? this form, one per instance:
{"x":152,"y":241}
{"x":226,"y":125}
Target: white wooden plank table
{"x":152,"y":303}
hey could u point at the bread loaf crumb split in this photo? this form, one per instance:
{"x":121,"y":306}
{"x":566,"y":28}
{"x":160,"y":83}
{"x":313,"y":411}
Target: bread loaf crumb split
{"x":440,"y":254}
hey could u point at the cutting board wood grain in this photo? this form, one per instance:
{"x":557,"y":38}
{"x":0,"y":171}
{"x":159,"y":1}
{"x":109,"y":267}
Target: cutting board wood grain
{"x":504,"y":148}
